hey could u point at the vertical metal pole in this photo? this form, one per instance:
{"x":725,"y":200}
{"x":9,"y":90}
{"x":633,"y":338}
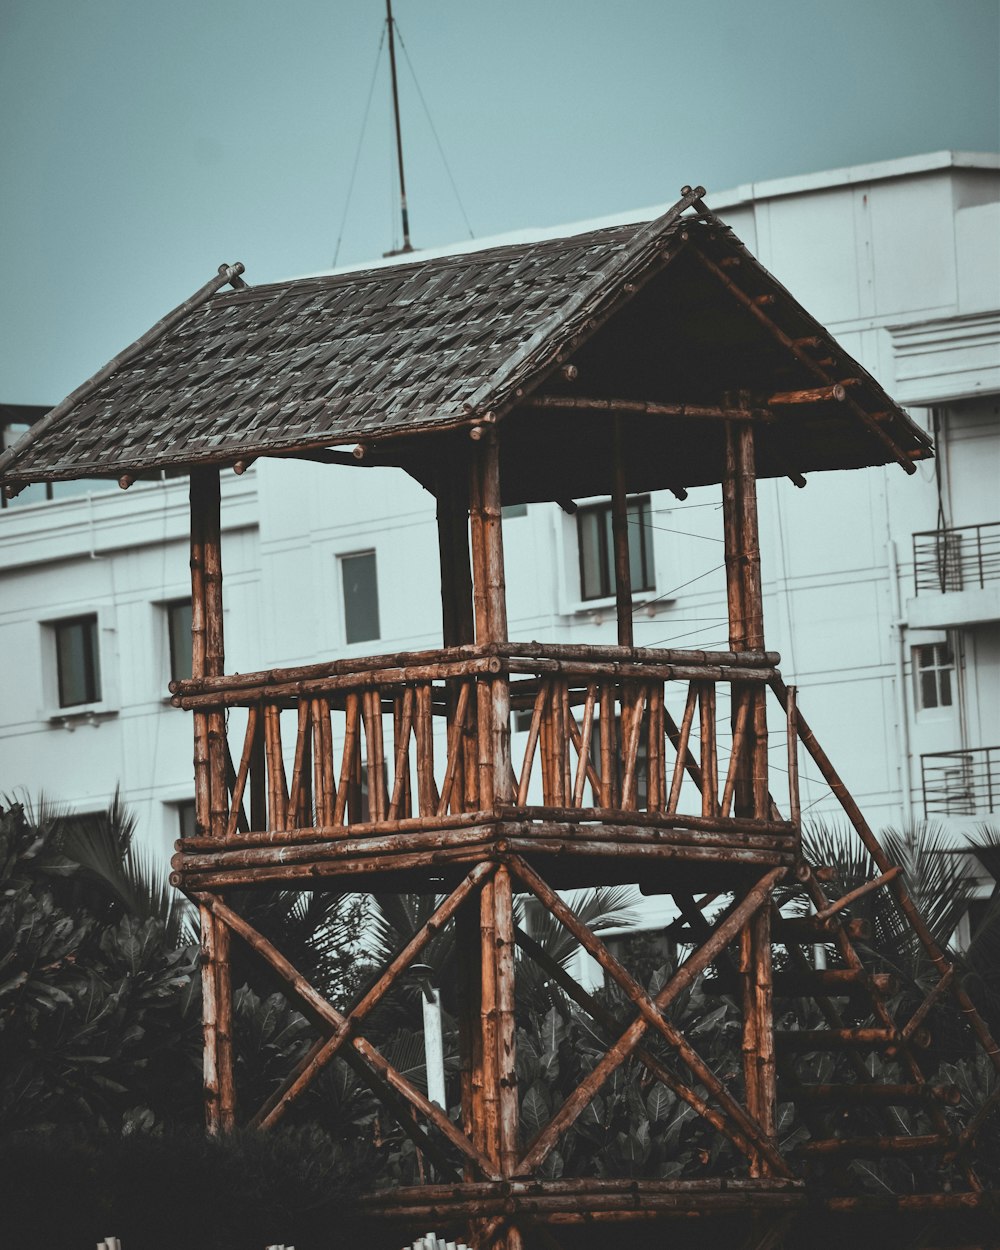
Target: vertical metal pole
{"x":407,"y":245}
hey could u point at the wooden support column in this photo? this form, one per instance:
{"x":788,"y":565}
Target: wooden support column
{"x":498,"y":1106}
{"x":746,"y":632}
{"x":211,"y":791}
{"x":619,"y":530}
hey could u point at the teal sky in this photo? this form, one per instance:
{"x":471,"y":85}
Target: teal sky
{"x":145,"y":141}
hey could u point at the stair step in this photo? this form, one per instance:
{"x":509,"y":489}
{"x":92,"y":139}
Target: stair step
{"x":812,"y":929}
{"x":894,"y":1095}
{"x":873,"y":1145}
{"x":844,"y":1039}
{"x":825,"y":983}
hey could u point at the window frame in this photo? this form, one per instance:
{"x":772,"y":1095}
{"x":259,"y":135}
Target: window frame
{"x":92,"y":676}
{"x":169,"y":607}
{"x":342,"y":559}
{"x":643,"y":579}
{"x":933,"y":659}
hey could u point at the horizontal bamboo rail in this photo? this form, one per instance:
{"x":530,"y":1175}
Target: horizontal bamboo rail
{"x":393,"y":749}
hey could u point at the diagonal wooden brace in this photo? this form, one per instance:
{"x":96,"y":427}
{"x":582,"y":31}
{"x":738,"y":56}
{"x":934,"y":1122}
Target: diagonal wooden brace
{"x":363,"y":1049}
{"x":650,"y":1016}
{"x":613,"y":1027}
{"x":322,"y":1051}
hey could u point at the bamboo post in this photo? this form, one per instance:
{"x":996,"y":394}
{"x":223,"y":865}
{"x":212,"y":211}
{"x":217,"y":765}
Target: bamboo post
{"x":211,"y":791}
{"x":748,"y":771}
{"x":495,"y":1075}
{"x":619,"y":530}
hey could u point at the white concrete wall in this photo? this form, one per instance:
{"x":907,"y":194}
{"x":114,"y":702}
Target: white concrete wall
{"x":899,"y":260}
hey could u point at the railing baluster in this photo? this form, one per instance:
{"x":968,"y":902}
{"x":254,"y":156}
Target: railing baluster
{"x":683,"y":737}
{"x":656,"y":765}
{"x":300,"y":769}
{"x":402,"y":725}
{"x":277,"y":785}
{"x":326,"y":786}
{"x":739,"y":740}
{"x":455,"y":746}
{"x":349,"y":763}
{"x":631,"y":740}
{"x":239,"y":788}
{"x":583,"y":764}
{"x":607,"y":732}
{"x":529,"y":751}
{"x":709,"y":751}
{"x":427,"y":797}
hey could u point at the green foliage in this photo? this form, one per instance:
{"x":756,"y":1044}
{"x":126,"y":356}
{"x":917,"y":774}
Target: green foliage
{"x":68,"y":1189}
{"x":97,"y":1004}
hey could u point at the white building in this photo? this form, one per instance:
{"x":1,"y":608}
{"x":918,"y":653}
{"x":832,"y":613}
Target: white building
{"x":900,"y":260}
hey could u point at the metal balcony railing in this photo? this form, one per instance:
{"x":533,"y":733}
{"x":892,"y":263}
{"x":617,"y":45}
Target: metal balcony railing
{"x":961,"y":783}
{"x":964,"y":558}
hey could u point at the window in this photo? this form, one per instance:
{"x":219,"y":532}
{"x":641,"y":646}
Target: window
{"x":187,"y":824}
{"x":933,"y":670}
{"x":77,"y":661}
{"x":514,"y":510}
{"x":597,"y":552}
{"x":360,"y":596}
{"x":179,"y":635}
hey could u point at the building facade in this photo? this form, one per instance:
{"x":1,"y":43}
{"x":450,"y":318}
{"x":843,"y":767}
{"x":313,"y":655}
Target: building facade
{"x":891,"y":632}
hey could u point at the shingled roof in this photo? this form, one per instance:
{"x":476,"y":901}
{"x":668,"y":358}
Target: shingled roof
{"x":669,"y":310}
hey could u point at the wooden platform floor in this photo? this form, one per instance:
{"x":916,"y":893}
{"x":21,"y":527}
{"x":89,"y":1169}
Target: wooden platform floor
{"x":570,"y":847}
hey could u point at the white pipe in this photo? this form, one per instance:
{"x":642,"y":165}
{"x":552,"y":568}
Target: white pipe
{"x":434,"y":1046}
{"x":898,"y":626}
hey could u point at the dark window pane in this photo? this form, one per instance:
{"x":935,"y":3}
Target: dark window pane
{"x":179,"y":629}
{"x":928,"y":689}
{"x":590,"y":532}
{"x":360,"y":597}
{"x":187,"y":825}
{"x":944,"y":690}
{"x":640,"y":545}
{"x":514,"y":510}
{"x":77,"y":661}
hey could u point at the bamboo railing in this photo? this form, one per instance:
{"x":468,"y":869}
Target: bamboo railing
{"x":403,"y":749}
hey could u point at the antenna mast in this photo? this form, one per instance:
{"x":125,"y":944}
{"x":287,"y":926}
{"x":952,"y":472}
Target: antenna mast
{"x":407,"y":245}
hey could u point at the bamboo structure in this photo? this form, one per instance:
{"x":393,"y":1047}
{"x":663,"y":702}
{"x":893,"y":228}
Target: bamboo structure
{"x":395,"y":772}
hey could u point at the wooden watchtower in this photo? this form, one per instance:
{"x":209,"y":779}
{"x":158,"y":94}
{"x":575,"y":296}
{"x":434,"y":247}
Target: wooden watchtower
{"x":659,"y":356}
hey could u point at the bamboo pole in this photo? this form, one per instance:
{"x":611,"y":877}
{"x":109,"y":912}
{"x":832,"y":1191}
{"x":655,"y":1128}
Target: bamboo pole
{"x":327,"y":1048}
{"x":402,"y":754}
{"x":529,"y":751}
{"x":506,"y":1024}
{"x":277,"y":786}
{"x":347,"y":763}
{"x":709,"y":752}
{"x":619,"y":530}
{"x":883,"y":436}
{"x":211,"y":792}
{"x":317,"y":1006}
{"x":901,"y":894}
{"x":581,"y":740}
{"x":242,"y":773}
{"x":300,"y":769}
{"x":380,"y":665}
{"x":427,"y":795}
{"x":606,"y":726}
{"x":650,"y":1015}
{"x":614,"y":1028}
{"x":684,"y":760}
{"x":633,"y":736}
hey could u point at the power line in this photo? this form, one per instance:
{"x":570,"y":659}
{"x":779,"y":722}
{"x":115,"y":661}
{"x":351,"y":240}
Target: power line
{"x":361,"y":139}
{"x":430,"y":122}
